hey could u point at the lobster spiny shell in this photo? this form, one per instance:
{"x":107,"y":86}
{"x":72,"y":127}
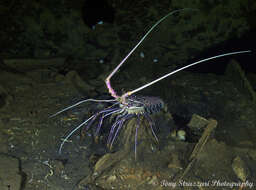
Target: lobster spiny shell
{"x":144,"y":104}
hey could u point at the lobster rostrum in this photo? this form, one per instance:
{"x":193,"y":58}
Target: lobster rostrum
{"x":127,"y":105}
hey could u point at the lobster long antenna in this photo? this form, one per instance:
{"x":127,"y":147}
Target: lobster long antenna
{"x":107,"y":81}
{"x":180,"y":69}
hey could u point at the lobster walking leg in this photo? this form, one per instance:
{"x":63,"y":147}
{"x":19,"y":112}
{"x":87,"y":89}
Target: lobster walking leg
{"x":90,"y":120}
{"x":110,"y":135}
{"x":114,"y":110}
{"x":151,"y":124}
{"x":136,"y":135}
{"x":127,"y":117}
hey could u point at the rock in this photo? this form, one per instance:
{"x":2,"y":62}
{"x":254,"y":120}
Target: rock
{"x":111,"y":178}
{"x":59,"y":78}
{"x":252,"y":154}
{"x":58,"y":166}
{"x":175,"y":162}
{"x":94,"y":159}
{"x":240,"y":168}
{"x":74,"y":78}
{"x":5,"y":98}
{"x":197,"y":122}
{"x":3,"y":141}
{"x":181,"y":135}
{"x":10,"y":177}
{"x":107,"y":161}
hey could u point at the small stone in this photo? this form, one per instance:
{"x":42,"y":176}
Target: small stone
{"x":173,"y":134}
{"x":111,"y":178}
{"x":240,"y":168}
{"x":252,"y":154}
{"x":58,"y":166}
{"x":175,"y":162}
{"x":153,"y":180}
{"x":197,"y":122}
{"x":181,"y":135}
{"x":94,"y":159}
{"x":59,"y":78}
{"x":142,"y":55}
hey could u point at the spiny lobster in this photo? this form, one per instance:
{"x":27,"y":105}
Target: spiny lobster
{"x":127,"y":105}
